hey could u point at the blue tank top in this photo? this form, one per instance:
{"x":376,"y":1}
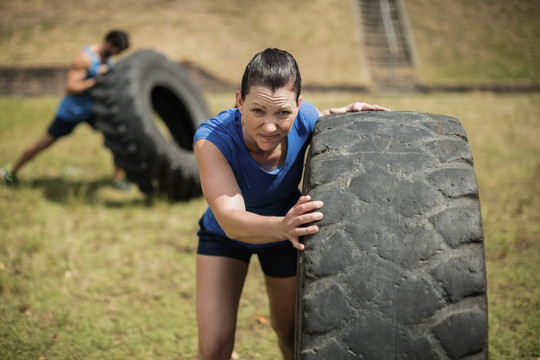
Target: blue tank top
{"x":79,"y":107}
{"x":269,"y":193}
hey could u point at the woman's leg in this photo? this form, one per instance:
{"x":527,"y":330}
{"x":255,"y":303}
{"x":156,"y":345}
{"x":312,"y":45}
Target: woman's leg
{"x":219,"y":285}
{"x":282,"y":299}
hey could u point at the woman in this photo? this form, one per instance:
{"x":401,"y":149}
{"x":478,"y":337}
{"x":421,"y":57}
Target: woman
{"x":250,"y":160}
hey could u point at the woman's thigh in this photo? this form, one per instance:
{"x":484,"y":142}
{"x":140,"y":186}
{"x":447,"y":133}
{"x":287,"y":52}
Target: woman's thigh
{"x":219,"y":285}
{"x":282,"y":300}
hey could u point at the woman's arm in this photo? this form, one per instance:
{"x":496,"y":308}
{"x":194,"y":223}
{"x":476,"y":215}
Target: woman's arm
{"x":221,"y":191}
{"x":354,"y":107}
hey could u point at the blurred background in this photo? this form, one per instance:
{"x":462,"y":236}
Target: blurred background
{"x":449,"y":41}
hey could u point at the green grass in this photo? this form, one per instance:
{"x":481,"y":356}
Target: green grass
{"x":461,"y":41}
{"x":87,"y":272}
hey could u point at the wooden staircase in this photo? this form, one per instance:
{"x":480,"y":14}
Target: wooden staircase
{"x":390,"y":51}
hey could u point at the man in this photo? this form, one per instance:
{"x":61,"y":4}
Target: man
{"x":76,"y":105}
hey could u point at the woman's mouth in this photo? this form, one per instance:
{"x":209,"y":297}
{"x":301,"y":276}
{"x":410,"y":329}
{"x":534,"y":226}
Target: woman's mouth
{"x":269,"y":137}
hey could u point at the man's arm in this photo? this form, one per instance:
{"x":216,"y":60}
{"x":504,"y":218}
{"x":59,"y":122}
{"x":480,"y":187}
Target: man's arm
{"x":76,"y":82}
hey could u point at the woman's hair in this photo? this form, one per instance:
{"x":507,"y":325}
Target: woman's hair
{"x":118,"y":38}
{"x":274,"y":69}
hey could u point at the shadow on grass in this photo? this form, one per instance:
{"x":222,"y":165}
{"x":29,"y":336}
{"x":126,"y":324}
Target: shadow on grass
{"x":67,"y":191}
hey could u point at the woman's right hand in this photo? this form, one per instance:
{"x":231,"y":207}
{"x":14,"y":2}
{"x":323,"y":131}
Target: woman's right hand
{"x":302,"y":213}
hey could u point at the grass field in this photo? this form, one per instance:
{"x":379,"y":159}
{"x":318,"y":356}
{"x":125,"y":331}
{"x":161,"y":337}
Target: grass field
{"x":461,"y":41}
{"x":87,"y":272}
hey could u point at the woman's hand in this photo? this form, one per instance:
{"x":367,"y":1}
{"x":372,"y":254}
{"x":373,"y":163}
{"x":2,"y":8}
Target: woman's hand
{"x":302,"y":213}
{"x":357,"y":106}
{"x":354,"y":107}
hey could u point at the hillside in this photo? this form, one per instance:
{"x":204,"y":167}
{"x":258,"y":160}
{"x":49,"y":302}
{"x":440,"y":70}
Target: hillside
{"x":456,"y":40}
{"x":218,"y":35}
{"x":480,"y":41}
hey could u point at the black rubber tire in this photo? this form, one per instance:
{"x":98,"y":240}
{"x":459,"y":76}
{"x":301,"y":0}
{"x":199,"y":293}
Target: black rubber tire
{"x":397,"y":270}
{"x":141,"y":88}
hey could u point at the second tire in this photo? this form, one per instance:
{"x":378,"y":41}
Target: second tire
{"x":148,"y":109}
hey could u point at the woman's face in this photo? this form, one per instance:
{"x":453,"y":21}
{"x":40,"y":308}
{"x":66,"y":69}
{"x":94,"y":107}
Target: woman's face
{"x":267,"y":116}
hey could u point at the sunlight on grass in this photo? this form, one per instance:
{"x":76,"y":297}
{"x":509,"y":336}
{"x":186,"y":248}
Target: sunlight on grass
{"x":89,"y":272}
{"x":475,"y":41}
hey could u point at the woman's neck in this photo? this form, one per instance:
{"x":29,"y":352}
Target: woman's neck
{"x":270,"y":160}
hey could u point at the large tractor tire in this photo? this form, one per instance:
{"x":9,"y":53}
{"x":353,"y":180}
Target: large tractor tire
{"x":397,"y":269}
{"x":148,"y":109}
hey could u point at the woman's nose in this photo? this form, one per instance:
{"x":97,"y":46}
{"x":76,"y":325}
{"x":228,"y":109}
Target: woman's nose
{"x":269,"y":126}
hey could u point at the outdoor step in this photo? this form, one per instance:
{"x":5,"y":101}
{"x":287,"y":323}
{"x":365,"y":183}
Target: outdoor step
{"x":383,"y":49}
{"x":405,"y":73}
{"x":383,"y":56}
{"x":390,"y":68}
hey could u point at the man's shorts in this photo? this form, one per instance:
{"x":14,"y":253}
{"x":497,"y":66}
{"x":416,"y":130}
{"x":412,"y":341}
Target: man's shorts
{"x":276,"y":260}
{"x":60,"y":127}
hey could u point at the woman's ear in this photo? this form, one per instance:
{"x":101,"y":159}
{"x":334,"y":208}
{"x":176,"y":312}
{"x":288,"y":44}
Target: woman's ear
{"x":239,"y":101}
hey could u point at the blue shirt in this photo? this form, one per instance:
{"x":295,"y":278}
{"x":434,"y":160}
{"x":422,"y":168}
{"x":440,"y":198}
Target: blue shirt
{"x":78,"y":107}
{"x":269,"y":193}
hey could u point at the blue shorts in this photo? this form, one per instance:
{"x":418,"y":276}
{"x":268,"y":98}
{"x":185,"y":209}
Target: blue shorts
{"x":59,"y":127}
{"x":276,"y":260}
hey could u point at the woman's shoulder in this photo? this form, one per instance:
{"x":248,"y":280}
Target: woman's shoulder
{"x":219,"y":129}
{"x":223,"y":118}
{"x":308,"y":109}
{"x":221,"y":122}
{"x":307,"y":116}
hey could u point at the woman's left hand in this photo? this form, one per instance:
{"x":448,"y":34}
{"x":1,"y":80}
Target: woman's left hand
{"x":355,"y":107}
{"x":298,"y":220}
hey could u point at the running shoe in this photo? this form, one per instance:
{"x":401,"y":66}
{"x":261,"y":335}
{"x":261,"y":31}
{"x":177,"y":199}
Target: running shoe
{"x":8,"y":177}
{"x":122,"y":185}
